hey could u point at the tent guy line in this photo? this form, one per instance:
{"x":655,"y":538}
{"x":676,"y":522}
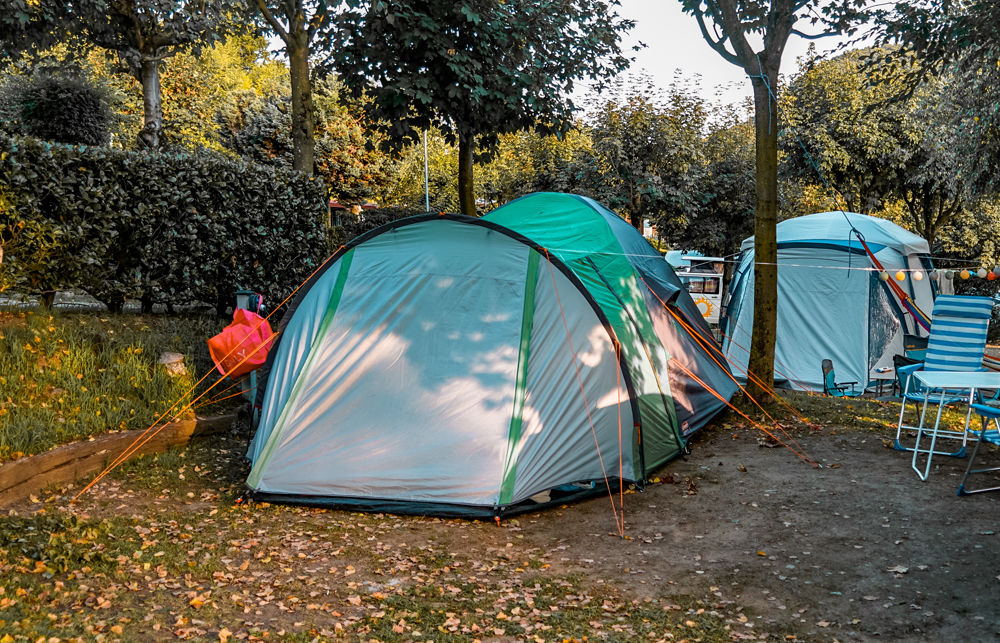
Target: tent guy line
{"x":619,"y":524}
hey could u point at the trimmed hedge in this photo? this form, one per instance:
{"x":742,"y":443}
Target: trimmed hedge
{"x":165,"y":228}
{"x":350,"y":226}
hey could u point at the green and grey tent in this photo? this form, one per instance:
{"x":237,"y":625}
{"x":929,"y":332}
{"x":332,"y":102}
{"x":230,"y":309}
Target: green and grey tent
{"x":675,"y":364}
{"x":446,"y":365}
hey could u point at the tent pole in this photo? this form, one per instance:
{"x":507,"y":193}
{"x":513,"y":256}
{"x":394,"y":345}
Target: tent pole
{"x":427,"y":193}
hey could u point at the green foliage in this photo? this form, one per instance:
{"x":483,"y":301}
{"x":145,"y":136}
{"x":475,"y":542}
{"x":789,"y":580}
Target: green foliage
{"x":725,"y":191}
{"x":57,"y":107}
{"x":649,"y":150}
{"x":26,"y":244}
{"x":52,"y":543}
{"x":349,"y":227}
{"x":475,"y":68}
{"x":875,"y":148}
{"x":65,"y":378}
{"x":258,"y":129}
{"x":169,"y":228}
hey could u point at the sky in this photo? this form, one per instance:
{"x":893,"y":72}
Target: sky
{"x":673,"y":41}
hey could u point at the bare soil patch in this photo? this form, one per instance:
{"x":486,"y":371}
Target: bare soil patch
{"x":780,"y":551}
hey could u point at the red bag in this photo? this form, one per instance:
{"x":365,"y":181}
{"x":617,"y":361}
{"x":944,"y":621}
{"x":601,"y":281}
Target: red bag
{"x":244,"y":336}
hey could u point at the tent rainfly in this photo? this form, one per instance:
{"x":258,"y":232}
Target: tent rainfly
{"x":675,"y":362}
{"x":449,"y":365}
{"x":831,"y":302}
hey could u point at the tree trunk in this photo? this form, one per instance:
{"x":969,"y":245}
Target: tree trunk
{"x":151,"y":135}
{"x":765,"y":295}
{"x":635,"y":208}
{"x":48,"y":299}
{"x":303,"y":128}
{"x":466,"y":185}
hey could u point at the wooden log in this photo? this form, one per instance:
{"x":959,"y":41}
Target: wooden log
{"x":68,"y":463}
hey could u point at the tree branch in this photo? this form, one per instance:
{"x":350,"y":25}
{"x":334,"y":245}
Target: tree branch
{"x":271,"y":20}
{"x":811,"y":36}
{"x":318,"y":18}
{"x":718,"y":45}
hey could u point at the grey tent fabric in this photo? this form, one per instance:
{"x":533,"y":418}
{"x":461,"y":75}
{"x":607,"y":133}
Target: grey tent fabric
{"x":442,"y":362}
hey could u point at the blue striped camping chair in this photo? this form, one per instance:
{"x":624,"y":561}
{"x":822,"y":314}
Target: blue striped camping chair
{"x":957,"y":343}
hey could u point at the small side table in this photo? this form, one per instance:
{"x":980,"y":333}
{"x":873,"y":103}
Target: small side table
{"x":880,"y":380}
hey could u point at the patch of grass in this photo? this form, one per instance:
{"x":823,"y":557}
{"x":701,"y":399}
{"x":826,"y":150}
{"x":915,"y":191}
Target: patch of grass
{"x":836,"y":414}
{"x":64,"y":377}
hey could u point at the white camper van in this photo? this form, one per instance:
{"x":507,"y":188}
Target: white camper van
{"x":702,"y":276}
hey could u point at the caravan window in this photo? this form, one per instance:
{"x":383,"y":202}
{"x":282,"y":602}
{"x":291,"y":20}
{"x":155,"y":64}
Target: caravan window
{"x":694,"y":284}
{"x":707,"y":285}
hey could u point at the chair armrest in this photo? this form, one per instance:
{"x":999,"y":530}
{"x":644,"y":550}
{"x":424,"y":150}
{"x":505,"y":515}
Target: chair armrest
{"x":909,"y":369}
{"x":846,"y":383}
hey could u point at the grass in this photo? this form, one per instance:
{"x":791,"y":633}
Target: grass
{"x":65,"y":377}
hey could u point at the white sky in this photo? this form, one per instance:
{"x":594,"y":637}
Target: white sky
{"x":673,"y":41}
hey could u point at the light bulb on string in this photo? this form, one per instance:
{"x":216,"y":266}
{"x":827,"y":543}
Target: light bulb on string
{"x":933,"y":274}
{"x":900,"y":275}
{"x":884,"y":276}
{"x":964,"y":274}
{"x":981,"y":273}
{"x":918,"y":276}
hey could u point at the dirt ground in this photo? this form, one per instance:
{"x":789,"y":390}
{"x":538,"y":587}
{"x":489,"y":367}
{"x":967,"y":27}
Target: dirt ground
{"x":737,"y":541}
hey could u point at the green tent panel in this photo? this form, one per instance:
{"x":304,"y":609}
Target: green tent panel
{"x":642,"y":297}
{"x":449,"y":365}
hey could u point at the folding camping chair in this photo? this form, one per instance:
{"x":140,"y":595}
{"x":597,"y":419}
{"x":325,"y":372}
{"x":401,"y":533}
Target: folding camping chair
{"x":989,"y":435}
{"x":957,"y":343}
{"x":831,"y":388}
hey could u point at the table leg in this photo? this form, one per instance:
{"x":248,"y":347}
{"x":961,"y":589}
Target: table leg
{"x":934,"y":433}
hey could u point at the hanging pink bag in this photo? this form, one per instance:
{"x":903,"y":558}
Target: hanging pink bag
{"x":244,"y":336}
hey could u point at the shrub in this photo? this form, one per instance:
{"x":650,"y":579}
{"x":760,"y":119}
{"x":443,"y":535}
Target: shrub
{"x":60,"y":108}
{"x":349,"y":227}
{"x":166,"y":228}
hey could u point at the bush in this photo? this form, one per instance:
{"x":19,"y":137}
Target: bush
{"x":166,"y":228}
{"x":59,"y":108}
{"x":349,"y":227}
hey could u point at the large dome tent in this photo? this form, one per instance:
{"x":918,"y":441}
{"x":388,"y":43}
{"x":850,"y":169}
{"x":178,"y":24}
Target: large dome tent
{"x":444,"y":365}
{"x":677,"y":367}
{"x":831,"y":302}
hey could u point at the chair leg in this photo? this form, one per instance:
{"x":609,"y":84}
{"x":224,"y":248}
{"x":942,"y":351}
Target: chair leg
{"x":899,"y":427}
{"x":962,"y":491}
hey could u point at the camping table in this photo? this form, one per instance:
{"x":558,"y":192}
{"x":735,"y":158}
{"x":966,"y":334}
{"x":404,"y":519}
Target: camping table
{"x":880,"y":380}
{"x":945,"y":381}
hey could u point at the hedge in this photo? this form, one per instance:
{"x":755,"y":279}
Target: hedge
{"x":165,"y":228}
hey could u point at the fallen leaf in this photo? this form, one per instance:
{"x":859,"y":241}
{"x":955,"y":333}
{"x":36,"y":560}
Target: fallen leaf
{"x":870,"y":598}
{"x":823,"y":624}
{"x":354,"y":600}
{"x":224,"y":635}
{"x":898,"y":569}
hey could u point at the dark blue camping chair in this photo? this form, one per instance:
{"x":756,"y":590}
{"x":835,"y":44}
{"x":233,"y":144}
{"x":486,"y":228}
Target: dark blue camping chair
{"x":957,"y":343}
{"x":986,"y":434}
{"x":831,"y":388}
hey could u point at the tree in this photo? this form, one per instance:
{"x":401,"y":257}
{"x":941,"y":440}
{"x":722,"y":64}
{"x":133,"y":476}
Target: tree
{"x":649,"y":151}
{"x":876,"y":144}
{"x":957,"y":39}
{"x":304,"y":26}
{"x":145,"y":32}
{"x":726,"y":26}
{"x":725,"y":191}
{"x":257,"y":128}
{"x":475,"y":69}
{"x":142,"y":32}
